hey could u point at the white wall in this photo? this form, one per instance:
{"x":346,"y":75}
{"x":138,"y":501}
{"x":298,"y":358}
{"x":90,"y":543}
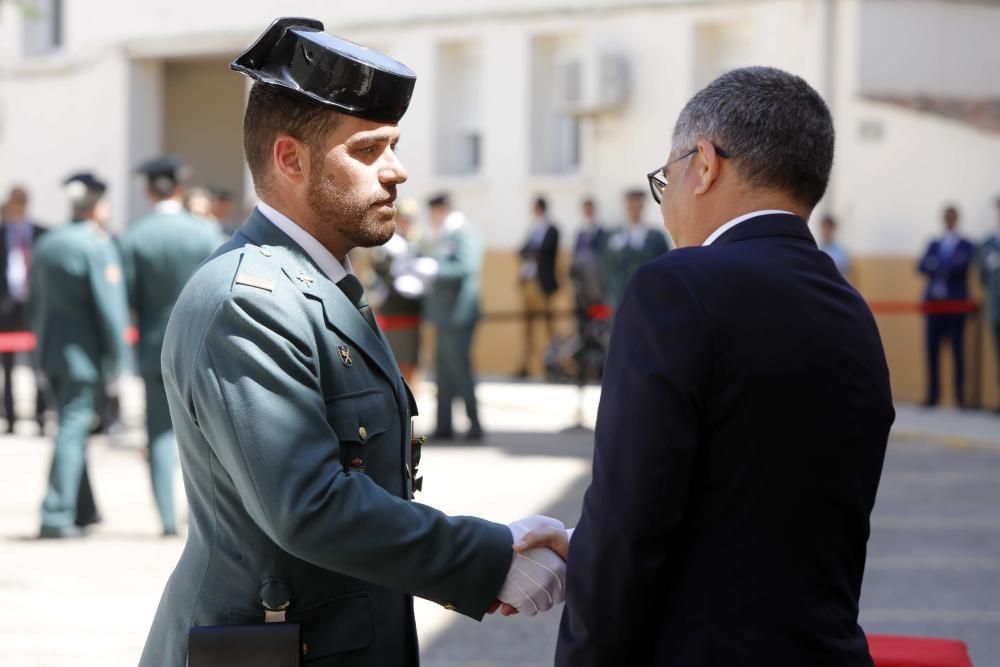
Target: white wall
{"x":60,"y":121}
{"x":891,"y":182}
{"x":887,"y":192}
{"x":935,"y":47}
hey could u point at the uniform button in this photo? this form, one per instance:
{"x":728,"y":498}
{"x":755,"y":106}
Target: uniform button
{"x":450,"y":606}
{"x":264,"y":251}
{"x":363,"y":433}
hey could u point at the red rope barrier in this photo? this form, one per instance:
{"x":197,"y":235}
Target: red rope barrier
{"x":24,"y":341}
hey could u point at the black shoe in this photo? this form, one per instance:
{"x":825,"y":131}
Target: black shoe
{"x":475,"y":435}
{"x":522,"y":374}
{"x":929,"y":404}
{"x":441,"y":435}
{"x":169,"y":532}
{"x":90,"y":520}
{"x":61,"y":533}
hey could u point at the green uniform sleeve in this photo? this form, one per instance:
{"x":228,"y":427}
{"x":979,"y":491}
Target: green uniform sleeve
{"x":466,"y":258}
{"x":108,"y":289}
{"x":258,"y":400}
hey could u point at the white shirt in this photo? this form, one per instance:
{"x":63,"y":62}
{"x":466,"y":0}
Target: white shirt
{"x":735,"y":221}
{"x":325,"y":260}
{"x":168,"y":206}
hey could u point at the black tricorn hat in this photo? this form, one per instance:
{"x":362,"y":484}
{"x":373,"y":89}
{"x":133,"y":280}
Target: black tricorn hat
{"x":297,"y":55}
{"x":83,"y":183}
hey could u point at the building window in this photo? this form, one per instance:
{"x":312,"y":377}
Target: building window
{"x":557,"y":89}
{"x":42,"y":27}
{"x":459,"y":134}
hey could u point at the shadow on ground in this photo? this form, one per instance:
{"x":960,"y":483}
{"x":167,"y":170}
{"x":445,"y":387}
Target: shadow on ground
{"x":933,"y":558}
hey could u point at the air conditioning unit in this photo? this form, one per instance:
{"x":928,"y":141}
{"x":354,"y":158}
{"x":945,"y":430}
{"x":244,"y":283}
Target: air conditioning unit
{"x":587,"y":85}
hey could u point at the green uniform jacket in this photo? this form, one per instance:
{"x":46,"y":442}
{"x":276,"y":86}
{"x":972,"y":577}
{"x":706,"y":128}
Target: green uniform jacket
{"x":621,"y":259}
{"x":989,"y":273}
{"x":294,"y":431}
{"x":160,"y":252}
{"x":453,"y":300}
{"x":78,"y":311}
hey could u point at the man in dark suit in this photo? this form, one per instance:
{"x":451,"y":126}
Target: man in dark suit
{"x":538,"y":277}
{"x":946,"y":265}
{"x":17,"y":240}
{"x":744,"y":415}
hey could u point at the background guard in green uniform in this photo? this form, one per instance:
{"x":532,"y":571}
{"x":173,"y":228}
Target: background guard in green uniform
{"x":78,"y":316}
{"x":160,"y":251}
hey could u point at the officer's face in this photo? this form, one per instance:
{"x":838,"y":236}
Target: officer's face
{"x":352,"y":185}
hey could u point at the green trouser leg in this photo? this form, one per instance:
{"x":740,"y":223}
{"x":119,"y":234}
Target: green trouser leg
{"x":454,"y":375}
{"x":69,"y":486}
{"x":162,"y":450}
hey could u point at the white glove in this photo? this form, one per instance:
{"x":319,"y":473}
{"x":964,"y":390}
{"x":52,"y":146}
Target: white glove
{"x":537,"y":579}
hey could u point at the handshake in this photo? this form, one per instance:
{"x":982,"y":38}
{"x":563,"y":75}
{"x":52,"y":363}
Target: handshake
{"x":537,"y":577}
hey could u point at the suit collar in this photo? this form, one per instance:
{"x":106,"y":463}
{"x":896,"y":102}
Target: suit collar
{"x":303,"y":272}
{"x":772,"y":224}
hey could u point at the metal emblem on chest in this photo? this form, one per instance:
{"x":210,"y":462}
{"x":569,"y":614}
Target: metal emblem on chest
{"x":345,"y":355}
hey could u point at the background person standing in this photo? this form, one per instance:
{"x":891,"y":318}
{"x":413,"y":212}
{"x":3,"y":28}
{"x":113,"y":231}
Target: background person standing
{"x":78,"y":316}
{"x":452,"y":306}
{"x":18,"y":235}
{"x":946,"y":265}
{"x":538,"y":277}
{"x":631,"y":246}
{"x":989,"y":274}
{"x":160,"y":252}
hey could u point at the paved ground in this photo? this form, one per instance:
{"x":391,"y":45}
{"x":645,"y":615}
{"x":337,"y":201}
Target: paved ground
{"x":934,"y":566}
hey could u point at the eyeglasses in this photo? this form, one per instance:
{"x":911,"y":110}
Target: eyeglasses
{"x":656,"y":184}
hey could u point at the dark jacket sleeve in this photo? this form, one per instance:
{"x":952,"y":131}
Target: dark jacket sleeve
{"x":646,"y":441}
{"x":259,"y":402}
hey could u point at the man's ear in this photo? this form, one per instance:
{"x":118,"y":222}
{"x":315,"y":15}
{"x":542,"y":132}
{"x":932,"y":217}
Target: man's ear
{"x":707,"y":165}
{"x":290,"y":159}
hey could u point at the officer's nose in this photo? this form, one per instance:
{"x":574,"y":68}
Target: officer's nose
{"x":393,"y":170}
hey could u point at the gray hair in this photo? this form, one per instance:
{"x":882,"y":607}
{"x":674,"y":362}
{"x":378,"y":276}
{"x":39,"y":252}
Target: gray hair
{"x":775,"y":126}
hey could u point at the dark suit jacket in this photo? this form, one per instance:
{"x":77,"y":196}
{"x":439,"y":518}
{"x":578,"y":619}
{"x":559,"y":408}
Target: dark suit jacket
{"x":947,"y":274}
{"x":739,"y":443}
{"x":544,"y":256}
{"x":12,"y":318}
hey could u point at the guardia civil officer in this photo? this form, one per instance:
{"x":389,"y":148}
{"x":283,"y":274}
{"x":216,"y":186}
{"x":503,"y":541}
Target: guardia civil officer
{"x":291,"y":416}
{"x":78,"y":316}
{"x":160,"y":251}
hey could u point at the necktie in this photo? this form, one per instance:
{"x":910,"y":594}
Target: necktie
{"x":352,"y":289}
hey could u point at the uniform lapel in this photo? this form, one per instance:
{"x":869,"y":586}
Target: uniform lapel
{"x":341,"y":315}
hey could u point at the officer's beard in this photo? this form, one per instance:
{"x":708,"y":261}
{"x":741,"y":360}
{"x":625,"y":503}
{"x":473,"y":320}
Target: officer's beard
{"x":365,"y":220}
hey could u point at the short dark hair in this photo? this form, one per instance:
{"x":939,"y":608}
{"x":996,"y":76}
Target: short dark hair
{"x":635,"y":193}
{"x":541,"y":204}
{"x":775,"y":126}
{"x":439,"y":199}
{"x":271,"y":111}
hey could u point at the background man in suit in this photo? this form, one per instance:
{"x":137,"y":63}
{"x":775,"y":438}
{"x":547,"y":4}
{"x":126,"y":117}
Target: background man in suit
{"x":78,"y":316}
{"x":989,"y":274}
{"x":452,"y":306}
{"x":538,"y":277}
{"x":160,"y":251}
{"x":745,"y":412}
{"x":946,"y":265}
{"x":291,"y":416}
{"x":18,"y":235}
{"x":631,"y":246}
